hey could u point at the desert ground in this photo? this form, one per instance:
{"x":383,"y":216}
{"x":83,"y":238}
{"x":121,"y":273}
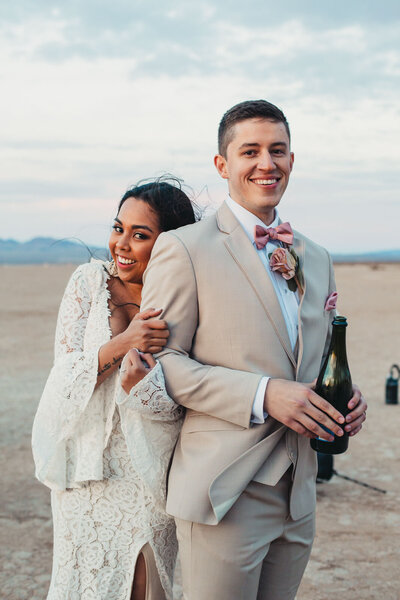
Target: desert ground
{"x":356,"y":553}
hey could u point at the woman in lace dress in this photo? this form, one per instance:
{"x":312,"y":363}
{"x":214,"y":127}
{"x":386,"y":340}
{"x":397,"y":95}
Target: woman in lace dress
{"x":101,"y":443}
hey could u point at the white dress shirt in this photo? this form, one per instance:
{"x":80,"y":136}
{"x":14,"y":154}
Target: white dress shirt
{"x":289,"y":301}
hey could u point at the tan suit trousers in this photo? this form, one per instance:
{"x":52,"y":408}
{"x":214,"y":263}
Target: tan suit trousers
{"x":257,"y":552}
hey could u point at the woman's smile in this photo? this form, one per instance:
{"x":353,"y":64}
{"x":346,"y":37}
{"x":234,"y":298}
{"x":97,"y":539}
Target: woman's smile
{"x":135,"y":229}
{"x":124,"y":262}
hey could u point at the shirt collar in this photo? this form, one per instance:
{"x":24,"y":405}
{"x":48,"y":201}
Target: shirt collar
{"x":247,"y":220}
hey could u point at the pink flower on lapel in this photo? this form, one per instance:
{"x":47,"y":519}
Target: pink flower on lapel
{"x":281,"y":260}
{"x":286,"y":262}
{"x":331,"y":301}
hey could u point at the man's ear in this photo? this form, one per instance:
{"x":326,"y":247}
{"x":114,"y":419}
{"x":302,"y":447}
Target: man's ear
{"x":221,"y":166}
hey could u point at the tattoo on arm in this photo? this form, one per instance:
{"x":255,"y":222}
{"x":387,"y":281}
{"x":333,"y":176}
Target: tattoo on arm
{"x":108,"y":365}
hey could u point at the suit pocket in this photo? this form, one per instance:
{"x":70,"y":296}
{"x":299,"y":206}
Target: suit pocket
{"x":199,"y":422}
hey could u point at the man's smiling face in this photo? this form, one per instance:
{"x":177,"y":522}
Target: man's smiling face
{"x":257,"y":165}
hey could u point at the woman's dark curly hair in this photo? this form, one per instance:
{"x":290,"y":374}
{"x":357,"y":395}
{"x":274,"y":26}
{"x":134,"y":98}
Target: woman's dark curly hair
{"x":167,"y":199}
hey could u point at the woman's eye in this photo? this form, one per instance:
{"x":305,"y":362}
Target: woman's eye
{"x":140,"y":236}
{"x":117,"y":228}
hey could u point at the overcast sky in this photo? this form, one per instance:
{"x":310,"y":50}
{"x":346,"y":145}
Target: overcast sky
{"x":98,"y":94}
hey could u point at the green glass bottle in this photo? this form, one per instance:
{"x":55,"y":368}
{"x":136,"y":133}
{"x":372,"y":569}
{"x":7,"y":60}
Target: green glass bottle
{"x":334,"y":384}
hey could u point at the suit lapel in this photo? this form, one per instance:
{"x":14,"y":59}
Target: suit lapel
{"x":299,"y":248}
{"x":244,"y":254}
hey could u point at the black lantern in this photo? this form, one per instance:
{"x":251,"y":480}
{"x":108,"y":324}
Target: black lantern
{"x":392,"y":386}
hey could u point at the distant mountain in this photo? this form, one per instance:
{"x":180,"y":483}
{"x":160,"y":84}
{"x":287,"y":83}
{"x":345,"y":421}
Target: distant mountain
{"x":383,"y":256}
{"x":47,"y":250}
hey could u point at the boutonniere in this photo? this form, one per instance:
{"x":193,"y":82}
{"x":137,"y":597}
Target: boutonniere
{"x":286,"y":262}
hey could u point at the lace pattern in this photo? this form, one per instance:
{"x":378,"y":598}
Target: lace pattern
{"x":104,"y":454}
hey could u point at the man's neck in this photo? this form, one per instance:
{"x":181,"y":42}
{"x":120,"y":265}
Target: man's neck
{"x":247,"y":219}
{"x":266,"y":217}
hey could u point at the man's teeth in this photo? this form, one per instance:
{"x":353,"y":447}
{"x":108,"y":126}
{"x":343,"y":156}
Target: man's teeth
{"x":125,"y":261}
{"x":265,"y":181}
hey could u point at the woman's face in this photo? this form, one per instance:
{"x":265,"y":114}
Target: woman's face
{"x":135,"y":230}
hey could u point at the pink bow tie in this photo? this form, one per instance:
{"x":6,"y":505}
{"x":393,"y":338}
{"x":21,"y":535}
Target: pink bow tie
{"x":282,"y":233}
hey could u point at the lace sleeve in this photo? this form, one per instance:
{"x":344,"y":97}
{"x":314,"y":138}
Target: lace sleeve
{"x":151,"y":422}
{"x":149,"y":397}
{"x":70,"y":385}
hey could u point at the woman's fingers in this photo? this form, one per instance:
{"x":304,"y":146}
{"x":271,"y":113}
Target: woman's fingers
{"x":133,"y":357}
{"x":158,"y":324}
{"x":157,"y":334}
{"x":134,"y":367}
{"x":150,"y":313}
{"x":139,"y":361}
{"x":149,"y":359}
{"x":154,"y":349}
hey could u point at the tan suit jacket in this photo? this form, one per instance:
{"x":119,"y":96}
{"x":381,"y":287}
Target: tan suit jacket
{"x":227,"y":331}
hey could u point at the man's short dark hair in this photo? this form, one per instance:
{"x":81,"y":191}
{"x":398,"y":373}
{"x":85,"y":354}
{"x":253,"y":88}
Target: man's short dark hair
{"x":250,"y":109}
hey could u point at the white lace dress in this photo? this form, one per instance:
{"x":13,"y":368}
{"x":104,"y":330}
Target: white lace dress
{"x":104,"y":454}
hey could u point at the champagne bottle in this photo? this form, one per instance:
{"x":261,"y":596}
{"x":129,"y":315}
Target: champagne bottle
{"x":334,"y":384}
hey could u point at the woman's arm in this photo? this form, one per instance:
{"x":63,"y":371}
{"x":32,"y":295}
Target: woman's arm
{"x":70,"y":385}
{"x":143,"y":390}
{"x":145,"y":332}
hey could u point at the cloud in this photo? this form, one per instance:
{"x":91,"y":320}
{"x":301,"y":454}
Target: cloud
{"x":99,"y":95}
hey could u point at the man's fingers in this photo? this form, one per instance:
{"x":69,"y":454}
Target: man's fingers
{"x":322,"y":420}
{"x":360,"y":409}
{"x":356,"y":398}
{"x":355,"y":430}
{"x":311,"y":385}
{"x":325,"y":407}
{"x":317,"y":430}
{"x":356,"y":424}
{"x":299,"y":428}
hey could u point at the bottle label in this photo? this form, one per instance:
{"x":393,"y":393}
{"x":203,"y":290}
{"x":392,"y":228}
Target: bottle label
{"x":328,"y":431}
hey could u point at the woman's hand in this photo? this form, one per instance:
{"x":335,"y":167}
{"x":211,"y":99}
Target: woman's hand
{"x":134,"y":367}
{"x":146,"y":332}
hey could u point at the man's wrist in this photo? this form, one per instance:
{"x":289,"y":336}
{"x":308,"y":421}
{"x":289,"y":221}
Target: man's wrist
{"x":258,"y":414}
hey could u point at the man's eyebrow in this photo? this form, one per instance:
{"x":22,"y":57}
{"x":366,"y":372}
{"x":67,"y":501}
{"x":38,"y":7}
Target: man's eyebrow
{"x":257,"y":145}
{"x":279,"y":144}
{"x":135,"y":226}
{"x":249,"y":145}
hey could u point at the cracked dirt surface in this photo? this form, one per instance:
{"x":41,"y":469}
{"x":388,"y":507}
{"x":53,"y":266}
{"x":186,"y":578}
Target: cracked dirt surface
{"x":356,"y":553}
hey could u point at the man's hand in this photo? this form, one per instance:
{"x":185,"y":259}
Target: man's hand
{"x":356,"y":417}
{"x":298,"y":407}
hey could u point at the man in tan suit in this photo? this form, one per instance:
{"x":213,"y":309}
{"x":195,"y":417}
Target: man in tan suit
{"x":242,"y":481}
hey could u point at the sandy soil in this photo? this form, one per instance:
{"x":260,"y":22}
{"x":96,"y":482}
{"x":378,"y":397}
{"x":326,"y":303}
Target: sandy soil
{"x":356,"y":552}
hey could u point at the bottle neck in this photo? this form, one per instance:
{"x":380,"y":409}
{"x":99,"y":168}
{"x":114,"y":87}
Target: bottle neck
{"x":338,"y":342}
